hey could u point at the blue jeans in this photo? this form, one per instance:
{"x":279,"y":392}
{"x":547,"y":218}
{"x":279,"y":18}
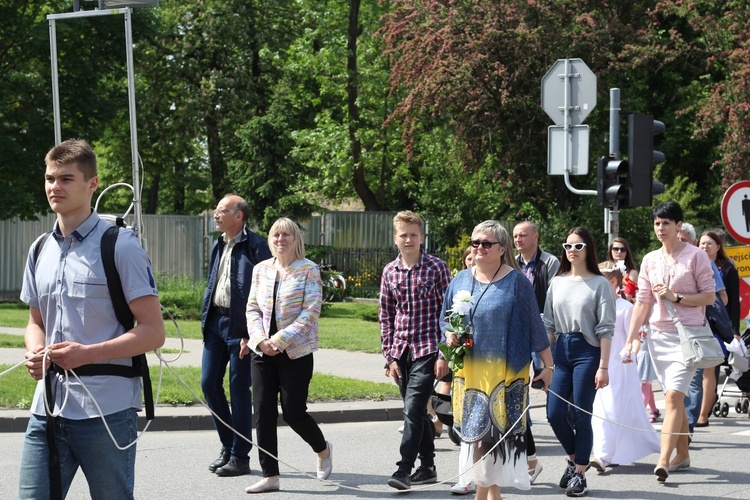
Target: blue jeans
{"x":415,"y":386}
{"x":110,"y":473}
{"x":576,"y":364}
{"x":218,"y":351}
{"x":694,"y":399}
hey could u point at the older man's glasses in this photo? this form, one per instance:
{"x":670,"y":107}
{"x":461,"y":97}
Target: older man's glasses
{"x":219,"y":213}
{"x":484,"y":244}
{"x":574,"y":246}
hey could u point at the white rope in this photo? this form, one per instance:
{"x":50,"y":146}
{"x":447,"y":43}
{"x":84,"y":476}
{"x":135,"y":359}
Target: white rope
{"x":166,"y":363}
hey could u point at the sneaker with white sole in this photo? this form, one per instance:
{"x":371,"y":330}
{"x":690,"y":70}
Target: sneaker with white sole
{"x":424,"y":475}
{"x":534,"y":473}
{"x":570,"y":468}
{"x":577,"y":485}
{"x":400,"y":480}
{"x":461,"y":489}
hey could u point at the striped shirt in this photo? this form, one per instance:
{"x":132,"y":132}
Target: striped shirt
{"x":410,"y":304}
{"x":689,"y":273}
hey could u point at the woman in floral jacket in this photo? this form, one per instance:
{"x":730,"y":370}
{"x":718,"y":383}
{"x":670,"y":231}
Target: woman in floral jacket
{"x":282,"y":322}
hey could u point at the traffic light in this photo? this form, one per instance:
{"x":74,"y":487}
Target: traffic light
{"x":612,"y":183}
{"x":643,"y":158}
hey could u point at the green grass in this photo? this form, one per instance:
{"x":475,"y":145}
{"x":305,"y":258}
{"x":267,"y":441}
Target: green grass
{"x":11,"y":341}
{"x":14,"y":314}
{"x":350,"y":326}
{"x":17,"y":389}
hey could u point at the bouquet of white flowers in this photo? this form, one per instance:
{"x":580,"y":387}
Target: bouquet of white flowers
{"x":462,"y":304}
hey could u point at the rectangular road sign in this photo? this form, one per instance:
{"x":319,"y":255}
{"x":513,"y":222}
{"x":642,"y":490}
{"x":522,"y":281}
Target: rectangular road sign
{"x":578,"y":150}
{"x":741,"y":257}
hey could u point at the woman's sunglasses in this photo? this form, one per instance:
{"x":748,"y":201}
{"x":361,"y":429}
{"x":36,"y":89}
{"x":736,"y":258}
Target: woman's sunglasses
{"x":484,"y":244}
{"x":619,"y":249}
{"x":574,"y":246}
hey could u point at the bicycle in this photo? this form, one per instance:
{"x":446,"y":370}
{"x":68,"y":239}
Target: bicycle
{"x":334,"y":284}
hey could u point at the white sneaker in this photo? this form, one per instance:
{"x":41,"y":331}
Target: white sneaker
{"x":598,"y":464}
{"x":460,"y":489}
{"x":325,"y":465}
{"x":534,"y":473}
{"x":401,"y":429}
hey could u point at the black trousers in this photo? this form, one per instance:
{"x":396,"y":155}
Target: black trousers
{"x":274,"y":375}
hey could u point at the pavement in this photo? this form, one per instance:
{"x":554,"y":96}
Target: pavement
{"x":172,"y":465}
{"x":356,"y":365}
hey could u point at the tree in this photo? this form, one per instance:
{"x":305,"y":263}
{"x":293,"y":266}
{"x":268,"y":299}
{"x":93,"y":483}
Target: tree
{"x":88,"y":93}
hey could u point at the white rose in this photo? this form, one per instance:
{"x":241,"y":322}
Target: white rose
{"x":462,"y":303}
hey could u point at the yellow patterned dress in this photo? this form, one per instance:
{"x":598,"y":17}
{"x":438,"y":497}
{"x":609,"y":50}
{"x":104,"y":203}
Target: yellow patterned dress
{"x":490,"y":392}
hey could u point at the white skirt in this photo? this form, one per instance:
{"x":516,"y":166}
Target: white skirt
{"x":489,"y":472}
{"x":668,"y":361}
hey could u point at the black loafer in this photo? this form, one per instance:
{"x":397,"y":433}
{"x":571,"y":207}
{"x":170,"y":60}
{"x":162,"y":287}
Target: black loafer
{"x":219,"y":462}
{"x":233,"y":468}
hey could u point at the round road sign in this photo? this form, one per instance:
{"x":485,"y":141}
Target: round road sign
{"x":735,"y":211}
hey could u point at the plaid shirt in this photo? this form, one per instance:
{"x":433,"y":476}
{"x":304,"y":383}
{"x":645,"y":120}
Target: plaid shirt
{"x":410,"y":305}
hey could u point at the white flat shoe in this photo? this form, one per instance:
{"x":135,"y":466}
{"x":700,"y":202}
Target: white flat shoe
{"x":598,"y":465}
{"x":661,"y":473}
{"x":325,"y":465}
{"x":534,"y":473}
{"x":682,"y":465}
{"x":263,"y":486}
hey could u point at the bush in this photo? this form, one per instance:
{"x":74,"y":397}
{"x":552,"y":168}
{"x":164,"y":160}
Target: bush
{"x":181,"y":295}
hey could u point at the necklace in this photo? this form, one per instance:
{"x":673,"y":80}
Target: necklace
{"x":483,"y":286}
{"x":470,"y":327}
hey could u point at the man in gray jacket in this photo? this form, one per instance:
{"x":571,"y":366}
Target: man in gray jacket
{"x":540,"y":267}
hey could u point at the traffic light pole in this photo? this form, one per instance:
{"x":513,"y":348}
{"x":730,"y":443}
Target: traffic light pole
{"x":612,"y":216}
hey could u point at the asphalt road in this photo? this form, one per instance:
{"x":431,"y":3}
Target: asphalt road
{"x":172,"y":465}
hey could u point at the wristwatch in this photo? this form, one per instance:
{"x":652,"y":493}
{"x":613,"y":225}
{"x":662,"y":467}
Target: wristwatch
{"x":679,"y":298}
{"x":549,"y":367}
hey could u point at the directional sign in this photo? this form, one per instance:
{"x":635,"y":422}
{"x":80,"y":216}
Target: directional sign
{"x":582,"y":87}
{"x":735,"y":211}
{"x":579,"y":146}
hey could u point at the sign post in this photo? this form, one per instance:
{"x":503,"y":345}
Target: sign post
{"x":568,"y":96}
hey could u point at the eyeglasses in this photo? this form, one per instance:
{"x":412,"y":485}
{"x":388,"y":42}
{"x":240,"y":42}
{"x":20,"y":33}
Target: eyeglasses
{"x":225,"y":211}
{"x":574,"y":246}
{"x":619,"y":249}
{"x":484,"y":244}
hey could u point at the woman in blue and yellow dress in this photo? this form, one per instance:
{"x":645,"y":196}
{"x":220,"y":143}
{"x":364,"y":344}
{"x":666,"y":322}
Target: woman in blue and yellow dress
{"x":490,"y":391}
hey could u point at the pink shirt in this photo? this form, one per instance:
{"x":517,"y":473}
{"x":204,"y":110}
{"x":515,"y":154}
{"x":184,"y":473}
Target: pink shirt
{"x":689,"y":273}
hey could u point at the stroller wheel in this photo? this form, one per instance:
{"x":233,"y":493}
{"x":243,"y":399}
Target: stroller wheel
{"x":725,"y":409}
{"x":738,"y":407}
{"x":717,"y":410}
{"x":745,"y":406}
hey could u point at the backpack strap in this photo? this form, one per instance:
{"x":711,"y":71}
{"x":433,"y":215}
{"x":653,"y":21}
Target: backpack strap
{"x":124,"y":314}
{"x":38,"y":248}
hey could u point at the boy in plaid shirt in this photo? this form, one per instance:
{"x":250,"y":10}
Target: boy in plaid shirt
{"x":411,"y":297}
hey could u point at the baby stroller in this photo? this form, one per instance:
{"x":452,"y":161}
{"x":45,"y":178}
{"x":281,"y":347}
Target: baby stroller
{"x":739,"y":372}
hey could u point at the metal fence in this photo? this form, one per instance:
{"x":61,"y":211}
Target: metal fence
{"x":357,"y":244}
{"x":363,"y":268}
{"x":177,"y":245}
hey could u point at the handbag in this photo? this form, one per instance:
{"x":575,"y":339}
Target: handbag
{"x":699,"y":346}
{"x":718,"y":318}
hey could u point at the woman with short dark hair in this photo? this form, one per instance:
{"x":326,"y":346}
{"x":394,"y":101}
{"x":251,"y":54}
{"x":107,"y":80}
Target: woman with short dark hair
{"x":680,"y":273}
